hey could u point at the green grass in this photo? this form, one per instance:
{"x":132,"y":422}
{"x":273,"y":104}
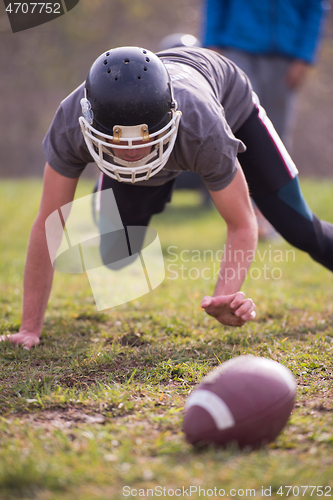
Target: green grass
{"x":99,"y":404}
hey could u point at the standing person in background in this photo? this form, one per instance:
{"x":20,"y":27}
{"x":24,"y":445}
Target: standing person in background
{"x":273,"y":41}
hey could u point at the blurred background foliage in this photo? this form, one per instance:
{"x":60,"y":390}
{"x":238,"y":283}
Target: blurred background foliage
{"x":40,"y":66}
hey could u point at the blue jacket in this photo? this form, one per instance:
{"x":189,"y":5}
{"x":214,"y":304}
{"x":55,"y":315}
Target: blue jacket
{"x":290,"y":28}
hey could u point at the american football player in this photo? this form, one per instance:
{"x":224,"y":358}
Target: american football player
{"x":143,"y":118}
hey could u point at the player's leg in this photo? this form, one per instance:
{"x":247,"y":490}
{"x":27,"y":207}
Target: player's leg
{"x":288,"y":212}
{"x":272,"y":179}
{"x":136,"y":204}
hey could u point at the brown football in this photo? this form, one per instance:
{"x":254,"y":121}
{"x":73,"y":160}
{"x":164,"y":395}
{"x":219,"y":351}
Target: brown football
{"x":246,"y":400}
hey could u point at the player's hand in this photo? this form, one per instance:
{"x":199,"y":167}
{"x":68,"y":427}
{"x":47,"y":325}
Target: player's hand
{"x":232,"y":310}
{"x":25,"y":338}
{"x":296,"y":74}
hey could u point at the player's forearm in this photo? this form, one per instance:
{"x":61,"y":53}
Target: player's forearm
{"x":239,"y":251}
{"x":38,"y":277}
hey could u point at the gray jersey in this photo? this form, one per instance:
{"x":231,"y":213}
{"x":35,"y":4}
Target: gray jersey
{"x":215,"y":99}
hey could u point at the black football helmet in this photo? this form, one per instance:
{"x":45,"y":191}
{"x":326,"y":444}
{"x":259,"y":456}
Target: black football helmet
{"x":129,"y":104}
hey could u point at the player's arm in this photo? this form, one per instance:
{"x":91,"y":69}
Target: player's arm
{"x":228,"y":304}
{"x":57,"y":191}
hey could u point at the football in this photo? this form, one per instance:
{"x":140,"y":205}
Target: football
{"x":246,"y":401}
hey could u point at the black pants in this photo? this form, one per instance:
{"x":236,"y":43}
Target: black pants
{"x":273,"y":184}
{"x":136,"y":205}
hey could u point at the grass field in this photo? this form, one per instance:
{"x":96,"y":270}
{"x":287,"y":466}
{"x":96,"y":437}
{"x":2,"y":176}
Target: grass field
{"x":95,"y":412}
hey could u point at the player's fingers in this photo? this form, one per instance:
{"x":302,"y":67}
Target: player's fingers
{"x":16,"y":338}
{"x":30,"y":342}
{"x":245,"y":309}
{"x":249,"y":316}
{"x":25,"y":340}
{"x":237,"y":300}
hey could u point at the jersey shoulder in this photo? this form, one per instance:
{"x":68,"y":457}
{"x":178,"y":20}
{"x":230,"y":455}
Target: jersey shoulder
{"x":225,"y":82}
